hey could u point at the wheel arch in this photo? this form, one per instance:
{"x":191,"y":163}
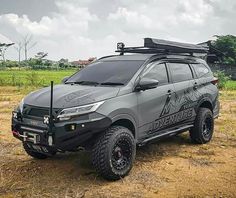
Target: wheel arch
{"x":205,"y":103}
{"x":127,"y":121}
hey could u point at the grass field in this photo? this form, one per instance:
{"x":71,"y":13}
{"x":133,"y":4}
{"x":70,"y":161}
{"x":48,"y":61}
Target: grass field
{"x":230,"y":85}
{"x":40,"y":78}
{"x":173,"y":167}
{"x":170,"y":168}
{"x":32,"y":78}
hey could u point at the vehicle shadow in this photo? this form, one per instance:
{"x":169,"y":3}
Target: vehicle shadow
{"x":71,"y":166}
{"x":170,"y":146}
{"x":80,"y":163}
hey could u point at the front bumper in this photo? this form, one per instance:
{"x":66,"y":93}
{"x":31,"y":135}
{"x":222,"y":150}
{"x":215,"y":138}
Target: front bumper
{"x":67,"y":135}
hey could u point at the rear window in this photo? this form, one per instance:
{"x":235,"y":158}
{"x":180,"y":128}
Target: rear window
{"x":107,"y":71}
{"x":180,"y":72}
{"x":201,"y":70}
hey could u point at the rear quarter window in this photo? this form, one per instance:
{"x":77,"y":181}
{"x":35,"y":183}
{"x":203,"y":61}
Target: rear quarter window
{"x":201,"y":70}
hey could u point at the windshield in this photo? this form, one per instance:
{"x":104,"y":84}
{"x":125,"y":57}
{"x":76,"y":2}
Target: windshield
{"x":106,"y":73}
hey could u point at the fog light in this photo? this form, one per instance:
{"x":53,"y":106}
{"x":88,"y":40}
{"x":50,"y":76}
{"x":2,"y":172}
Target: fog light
{"x":72,"y":127}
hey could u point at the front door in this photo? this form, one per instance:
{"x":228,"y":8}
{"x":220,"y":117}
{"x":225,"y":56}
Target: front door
{"x":152,"y":103}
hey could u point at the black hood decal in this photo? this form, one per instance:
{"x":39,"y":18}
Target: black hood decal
{"x":65,"y":96}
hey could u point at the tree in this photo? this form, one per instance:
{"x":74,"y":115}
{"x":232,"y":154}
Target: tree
{"x":3,"y":48}
{"x":41,"y":55}
{"x":28,"y":44}
{"x":227,"y":45}
{"x":18,"y":48}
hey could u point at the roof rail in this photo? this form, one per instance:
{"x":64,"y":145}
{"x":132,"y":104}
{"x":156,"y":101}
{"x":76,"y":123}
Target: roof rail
{"x":158,"y":46}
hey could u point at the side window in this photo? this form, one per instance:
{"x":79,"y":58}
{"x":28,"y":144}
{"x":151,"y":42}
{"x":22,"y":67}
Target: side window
{"x":201,"y":70}
{"x":158,"y":72}
{"x":180,"y":72}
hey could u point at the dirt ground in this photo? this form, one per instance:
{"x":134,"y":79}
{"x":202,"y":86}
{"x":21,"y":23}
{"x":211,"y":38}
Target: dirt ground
{"x":170,"y":168}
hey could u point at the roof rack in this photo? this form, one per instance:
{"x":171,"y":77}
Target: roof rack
{"x":158,"y":46}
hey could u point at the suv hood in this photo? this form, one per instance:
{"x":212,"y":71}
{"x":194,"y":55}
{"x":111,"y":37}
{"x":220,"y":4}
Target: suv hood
{"x":65,"y":96}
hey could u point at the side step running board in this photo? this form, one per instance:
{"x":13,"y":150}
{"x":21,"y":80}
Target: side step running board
{"x":169,"y":133}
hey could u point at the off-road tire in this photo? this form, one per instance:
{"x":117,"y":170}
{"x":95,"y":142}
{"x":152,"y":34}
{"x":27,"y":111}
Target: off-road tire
{"x":105,"y":152}
{"x":35,"y":154}
{"x":198,"y":133}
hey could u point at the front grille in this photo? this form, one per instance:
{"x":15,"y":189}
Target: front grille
{"x":38,"y":111}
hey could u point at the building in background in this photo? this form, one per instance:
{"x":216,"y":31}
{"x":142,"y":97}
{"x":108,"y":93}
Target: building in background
{"x":83,"y":63}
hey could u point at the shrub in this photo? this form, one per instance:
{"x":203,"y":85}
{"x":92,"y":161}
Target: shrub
{"x":222,"y":77}
{"x":32,"y":78}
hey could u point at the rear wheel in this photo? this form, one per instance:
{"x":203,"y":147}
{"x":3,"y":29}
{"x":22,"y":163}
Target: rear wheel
{"x":203,"y":128}
{"x":35,"y":154}
{"x":114,"y":153}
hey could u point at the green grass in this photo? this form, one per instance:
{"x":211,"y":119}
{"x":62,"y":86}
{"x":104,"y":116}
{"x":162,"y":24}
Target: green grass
{"x":230,"y":85}
{"x":32,"y":77}
{"x":40,"y":78}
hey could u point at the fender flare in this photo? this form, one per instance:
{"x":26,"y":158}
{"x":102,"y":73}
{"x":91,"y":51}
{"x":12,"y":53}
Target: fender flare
{"x":126,"y":117}
{"x":202,"y":100}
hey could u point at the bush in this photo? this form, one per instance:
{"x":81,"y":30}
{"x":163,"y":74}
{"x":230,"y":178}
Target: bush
{"x":32,"y":78}
{"x":222,"y":77}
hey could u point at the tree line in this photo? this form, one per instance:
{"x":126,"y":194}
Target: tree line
{"x":224,"y":43}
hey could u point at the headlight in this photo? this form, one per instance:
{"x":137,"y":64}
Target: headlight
{"x":21,"y":105}
{"x":19,"y":108}
{"x":65,"y":114}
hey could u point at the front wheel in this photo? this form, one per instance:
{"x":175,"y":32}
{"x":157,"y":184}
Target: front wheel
{"x":203,"y":128}
{"x":114,"y":152}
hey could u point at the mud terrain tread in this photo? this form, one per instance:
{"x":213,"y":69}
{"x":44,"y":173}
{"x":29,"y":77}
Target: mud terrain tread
{"x":196,"y":132}
{"x":100,"y":153}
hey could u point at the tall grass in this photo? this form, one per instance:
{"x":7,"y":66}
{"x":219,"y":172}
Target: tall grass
{"x":41,"y":78}
{"x":230,"y":85}
{"x":32,"y":78}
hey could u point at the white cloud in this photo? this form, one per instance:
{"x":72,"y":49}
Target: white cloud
{"x":91,"y":28}
{"x":4,"y":39}
{"x":195,"y":12}
{"x":131,"y":18}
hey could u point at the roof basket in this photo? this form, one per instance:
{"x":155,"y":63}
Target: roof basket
{"x":158,"y":46}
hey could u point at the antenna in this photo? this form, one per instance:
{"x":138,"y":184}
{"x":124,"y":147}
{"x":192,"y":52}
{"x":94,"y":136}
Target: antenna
{"x":50,"y":132}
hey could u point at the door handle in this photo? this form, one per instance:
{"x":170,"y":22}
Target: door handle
{"x":195,"y":86}
{"x":169,"y":92}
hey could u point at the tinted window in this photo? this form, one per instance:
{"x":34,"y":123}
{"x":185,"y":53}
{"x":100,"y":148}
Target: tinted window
{"x":107,"y":71}
{"x":158,"y":72}
{"x":200,"y":69}
{"x":180,"y":72}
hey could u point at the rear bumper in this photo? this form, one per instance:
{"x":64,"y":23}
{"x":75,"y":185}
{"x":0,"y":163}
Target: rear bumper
{"x":67,"y":135}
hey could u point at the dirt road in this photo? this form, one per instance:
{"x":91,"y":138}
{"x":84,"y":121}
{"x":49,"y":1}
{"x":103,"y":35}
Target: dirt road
{"x":170,"y":168}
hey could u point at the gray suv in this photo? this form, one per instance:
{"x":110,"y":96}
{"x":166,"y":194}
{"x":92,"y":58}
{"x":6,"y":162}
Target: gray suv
{"x":120,"y":102}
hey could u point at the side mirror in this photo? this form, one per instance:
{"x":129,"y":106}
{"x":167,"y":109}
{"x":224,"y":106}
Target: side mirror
{"x":146,"y":83}
{"x":65,"y":79}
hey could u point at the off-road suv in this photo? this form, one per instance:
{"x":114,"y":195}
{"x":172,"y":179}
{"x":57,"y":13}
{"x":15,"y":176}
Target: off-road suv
{"x":120,"y":102}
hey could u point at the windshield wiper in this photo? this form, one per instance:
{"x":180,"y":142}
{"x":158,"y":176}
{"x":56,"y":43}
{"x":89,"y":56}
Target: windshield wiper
{"x":84,"y":82}
{"x":112,"y":83}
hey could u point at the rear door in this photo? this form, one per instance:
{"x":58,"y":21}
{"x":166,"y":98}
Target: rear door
{"x":205,"y":85}
{"x":186,"y":92}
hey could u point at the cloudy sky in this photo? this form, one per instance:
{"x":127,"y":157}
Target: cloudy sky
{"x":78,"y":29}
